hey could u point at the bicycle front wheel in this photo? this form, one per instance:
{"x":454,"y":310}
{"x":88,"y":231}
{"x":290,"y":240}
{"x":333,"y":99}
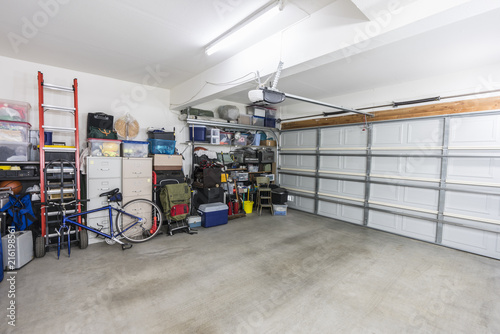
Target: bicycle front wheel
{"x":144,"y":225}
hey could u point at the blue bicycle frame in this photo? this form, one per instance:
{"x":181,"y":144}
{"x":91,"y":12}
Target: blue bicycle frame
{"x":112,"y":235}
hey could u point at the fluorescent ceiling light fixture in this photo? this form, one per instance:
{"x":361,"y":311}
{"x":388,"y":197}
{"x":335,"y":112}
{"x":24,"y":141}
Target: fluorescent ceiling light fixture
{"x":245,"y":27}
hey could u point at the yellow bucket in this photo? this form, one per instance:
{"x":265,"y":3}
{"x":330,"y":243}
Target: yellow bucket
{"x":248,"y":206}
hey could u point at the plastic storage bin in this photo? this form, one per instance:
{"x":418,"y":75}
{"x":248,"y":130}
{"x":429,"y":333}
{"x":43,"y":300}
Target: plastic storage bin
{"x":197,"y":133}
{"x":134,"y":149}
{"x":213,"y":136}
{"x":158,"y":134}
{"x":270,"y":122}
{"x":14,"y":110}
{"x":14,"y":131}
{"x":14,"y":151}
{"x":279,"y":209}
{"x":270,"y":113}
{"x":194,"y":221}
{"x":161,"y":146}
{"x":226,"y":138}
{"x":279,"y":196}
{"x":213,"y":214}
{"x":258,"y":121}
{"x":245,"y":119}
{"x":242,"y":140}
{"x":104,"y":147}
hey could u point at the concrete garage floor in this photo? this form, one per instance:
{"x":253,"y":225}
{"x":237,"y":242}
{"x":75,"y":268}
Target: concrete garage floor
{"x":293,"y":274}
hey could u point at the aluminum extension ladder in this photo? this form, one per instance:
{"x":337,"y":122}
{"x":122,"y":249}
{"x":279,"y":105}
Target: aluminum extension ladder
{"x":59,"y":179}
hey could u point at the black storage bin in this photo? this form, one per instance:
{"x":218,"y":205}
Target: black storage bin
{"x":161,"y":135}
{"x":169,"y":175}
{"x":279,"y":196}
{"x":208,"y":195}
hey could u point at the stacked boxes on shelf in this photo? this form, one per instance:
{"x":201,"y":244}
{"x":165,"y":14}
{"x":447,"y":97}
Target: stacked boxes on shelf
{"x":162,"y":147}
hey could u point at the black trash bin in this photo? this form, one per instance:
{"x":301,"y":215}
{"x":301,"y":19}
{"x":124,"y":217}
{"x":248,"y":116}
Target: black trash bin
{"x":279,"y":196}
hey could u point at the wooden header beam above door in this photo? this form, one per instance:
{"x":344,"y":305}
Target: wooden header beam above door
{"x":447,"y":108}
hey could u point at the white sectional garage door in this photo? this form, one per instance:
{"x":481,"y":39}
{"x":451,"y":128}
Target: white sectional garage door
{"x":433,"y":179}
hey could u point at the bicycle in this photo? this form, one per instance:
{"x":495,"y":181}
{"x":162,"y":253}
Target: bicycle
{"x":137,"y":221}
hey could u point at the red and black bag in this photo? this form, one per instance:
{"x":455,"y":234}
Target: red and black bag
{"x":179,"y":209}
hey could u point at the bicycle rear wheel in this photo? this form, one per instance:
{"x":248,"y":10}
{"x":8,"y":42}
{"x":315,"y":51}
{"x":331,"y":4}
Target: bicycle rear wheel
{"x":139,"y":231}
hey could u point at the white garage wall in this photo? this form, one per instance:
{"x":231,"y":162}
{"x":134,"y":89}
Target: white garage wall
{"x":147,"y":103}
{"x":433,"y":179}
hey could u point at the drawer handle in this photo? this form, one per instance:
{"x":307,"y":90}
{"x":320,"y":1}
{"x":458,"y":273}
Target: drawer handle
{"x":105,"y":169}
{"x":137,"y":172}
{"x":104,"y":188}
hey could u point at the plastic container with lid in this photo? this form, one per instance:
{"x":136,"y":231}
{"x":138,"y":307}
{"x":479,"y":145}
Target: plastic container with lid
{"x":161,"y":146}
{"x":134,"y":149}
{"x":213,"y":214}
{"x":14,"y":151}
{"x":14,"y":110}
{"x":14,"y":131}
{"x":104,"y":147}
{"x":197,"y":133}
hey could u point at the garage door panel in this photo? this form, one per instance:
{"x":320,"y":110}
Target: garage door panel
{"x":341,"y":212}
{"x":353,"y":188}
{"x":383,"y":221}
{"x":407,"y":167}
{"x":390,"y":134}
{"x":301,"y":203}
{"x":304,"y":139}
{"x":425,"y":132}
{"x":302,"y":162}
{"x":419,"y":134}
{"x":475,"y":205}
{"x":464,"y":237}
{"x":341,"y":188}
{"x":474,"y":131}
{"x":422,"y":167}
{"x":352,"y":214}
{"x":385,"y":165}
{"x":356,"y":165}
{"x":345,"y":137}
{"x":416,"y":198}
{"x":382,"y":192}
{"x":329,"y":186}
{"x":297,"y":182}
{"x":425,"y":197}
{"x":418,"y":228}
{"x":474,"y":170}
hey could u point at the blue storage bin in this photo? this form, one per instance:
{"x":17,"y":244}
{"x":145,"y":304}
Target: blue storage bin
{"x":200,"y":133}
{"x":213,"y":214}
{"x":161,"y":146}
{"x":270,"y":122}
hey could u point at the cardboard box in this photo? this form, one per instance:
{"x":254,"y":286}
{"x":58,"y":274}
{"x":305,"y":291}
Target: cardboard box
{"x":167,"y":162}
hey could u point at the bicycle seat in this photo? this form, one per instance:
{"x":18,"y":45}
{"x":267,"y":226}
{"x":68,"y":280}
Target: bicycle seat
{"x":113,"y":195}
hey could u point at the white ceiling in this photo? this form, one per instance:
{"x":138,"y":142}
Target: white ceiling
{"x":122,"y":38}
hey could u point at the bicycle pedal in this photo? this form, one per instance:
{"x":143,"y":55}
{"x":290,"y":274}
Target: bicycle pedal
{"x":126,"y":246}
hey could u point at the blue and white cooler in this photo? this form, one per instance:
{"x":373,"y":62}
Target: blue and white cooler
{"x":213,"y":214}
